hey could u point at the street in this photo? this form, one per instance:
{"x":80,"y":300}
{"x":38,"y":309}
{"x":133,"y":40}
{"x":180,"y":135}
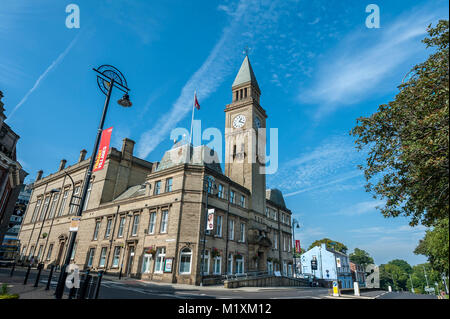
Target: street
{"x":130,"y":288}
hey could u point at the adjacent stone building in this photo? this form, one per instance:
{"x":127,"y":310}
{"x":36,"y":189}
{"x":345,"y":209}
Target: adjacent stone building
{"x":148,"y":219}
{"x":11,"y":174}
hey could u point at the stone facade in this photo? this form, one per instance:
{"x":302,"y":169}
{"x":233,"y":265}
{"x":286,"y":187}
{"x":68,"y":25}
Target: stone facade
{"x":147,"y":219}
{"x":11,"y":174}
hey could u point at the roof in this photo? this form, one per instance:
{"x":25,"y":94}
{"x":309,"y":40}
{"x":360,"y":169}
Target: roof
{"x":183,"y":152}
{"x":245,"y":74}
{"x":133,"y":191}
{"x":275,"y":196}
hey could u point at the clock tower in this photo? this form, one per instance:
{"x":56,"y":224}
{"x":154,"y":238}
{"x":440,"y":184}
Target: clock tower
{"x":245,"y":145}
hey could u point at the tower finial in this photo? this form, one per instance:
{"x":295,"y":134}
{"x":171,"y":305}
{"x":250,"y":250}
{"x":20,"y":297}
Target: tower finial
{"x":246,"y":50}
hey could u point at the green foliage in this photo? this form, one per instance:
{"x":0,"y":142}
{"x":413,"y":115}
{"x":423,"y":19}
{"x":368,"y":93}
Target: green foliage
{"x":331,"y":244}
{"x":4,"y":293}
{"x":435,"y":246}
{"x":419,"y":281}
{"x":408,"y":140}
{"x":395,"y":274}
{"x":361,"y":257}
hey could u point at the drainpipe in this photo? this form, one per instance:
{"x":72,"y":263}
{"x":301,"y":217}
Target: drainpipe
{"x":111,"y":238}
{"x":226,"y":243}
{"x":279,"y":239}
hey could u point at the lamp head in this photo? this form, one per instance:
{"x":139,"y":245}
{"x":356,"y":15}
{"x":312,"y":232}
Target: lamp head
{"x":125,"y":101}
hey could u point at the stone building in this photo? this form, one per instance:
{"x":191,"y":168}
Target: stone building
{"x":11,"y":173}
{"x":147,"y":219}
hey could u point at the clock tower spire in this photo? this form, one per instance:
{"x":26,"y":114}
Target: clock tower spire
{"x":243,"y":117}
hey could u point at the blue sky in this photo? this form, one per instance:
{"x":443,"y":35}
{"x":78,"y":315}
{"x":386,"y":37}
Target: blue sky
{"x":318,"y":66}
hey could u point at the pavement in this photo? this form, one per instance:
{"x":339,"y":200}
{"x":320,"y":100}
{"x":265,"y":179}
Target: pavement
{"x":132,"y":288}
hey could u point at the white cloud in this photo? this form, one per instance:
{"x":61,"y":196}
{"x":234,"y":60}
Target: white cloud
{"x":327,"y":166}
{"x":360,"y":208}
{"x":358,"y":69}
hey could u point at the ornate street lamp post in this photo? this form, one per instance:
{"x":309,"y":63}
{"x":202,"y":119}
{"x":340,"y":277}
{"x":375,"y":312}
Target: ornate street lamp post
{"x":107,"y":78}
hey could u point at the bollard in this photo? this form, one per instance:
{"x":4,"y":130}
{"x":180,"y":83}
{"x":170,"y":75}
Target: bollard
{"x":389,"y":288}
{"x":12,"y":269}
{"x":52,"y":267}
{"x":97,"y":288}
{"x":92,"y":286}
{"x":27,"y":274}
{"x":84,"y":286}
{"x":59,"y":291}
{"x":120,"y":273}
{"x":40,"y":266}
{"x":356,"y":289}
{"x":72,"y":292}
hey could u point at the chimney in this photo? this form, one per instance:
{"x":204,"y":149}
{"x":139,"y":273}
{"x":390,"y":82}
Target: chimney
{"x":127,"y":148}
{"x":62,"y":165}
{"x":82,"y":156}
{"x":39,"y":175}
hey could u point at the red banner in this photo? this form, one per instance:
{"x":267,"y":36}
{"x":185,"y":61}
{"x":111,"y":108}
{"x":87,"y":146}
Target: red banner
{"x":103,"y":149}
{"x":297,"y":246}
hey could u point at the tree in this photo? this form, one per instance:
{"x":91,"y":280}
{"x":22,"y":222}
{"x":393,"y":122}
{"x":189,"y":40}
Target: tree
{"x":395,"y":274}
{"x":435,"y":246}
{"x":331,"y":244}
{"x":361,"y":257}
{"x":408,"y":140}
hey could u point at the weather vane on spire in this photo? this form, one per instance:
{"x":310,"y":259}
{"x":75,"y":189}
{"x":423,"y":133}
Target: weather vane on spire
{"x":246,"y":50}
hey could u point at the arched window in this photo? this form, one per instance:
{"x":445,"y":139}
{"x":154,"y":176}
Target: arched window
{"x":185,"y":261}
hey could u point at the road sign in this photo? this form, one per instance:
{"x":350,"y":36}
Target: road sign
{"x":74,"y":224}
{"x":430,"y":289}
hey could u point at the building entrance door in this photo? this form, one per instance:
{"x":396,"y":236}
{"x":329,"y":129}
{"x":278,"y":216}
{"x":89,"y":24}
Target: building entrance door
{"x":130,"y":260}
{"x":60,"y":253}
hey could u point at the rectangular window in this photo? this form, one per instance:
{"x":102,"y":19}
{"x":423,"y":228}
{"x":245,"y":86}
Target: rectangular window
{"x":121,"y":226}
{"x":217,"y":265}
{"x":53,"y":206}
{"x":158,"y":187}
{"x":231,"y":230}
{"x":88,"y":195}
{"x":72,"y":256}
{"x":245,"y":92}
{"x":90,"y":257}
{"x":135,"y":225}
{"x":63,"y":203}
{"x":102,"y":257}
{"x":152,"y":224}
{"x":97,"y":227}
{"x":108,"y":228}
{"x":267,"y":212}
{"x":206,"y":263}
{"x":164,"y":219}
{"x":232,"y":197}
{"x":36,"y":210}
{"x":73,"y":207}
{"x":242,"y":239}
{"x":44,"y":208}
{"x":230,"y":264}
{"x":242,"y":202}
{"x":275,"y":240}
{"x":49,"y":253}
{"x":220,"y":191}
{"x":116,"y":256}
{"x":159,"y":262}
{"x":31,"y":252}
{"x":169,"y":185}
{"x":219,"y":226}
{"x":284,"y":243}
{"x":39,"y":252}
{"x":240,"y":265}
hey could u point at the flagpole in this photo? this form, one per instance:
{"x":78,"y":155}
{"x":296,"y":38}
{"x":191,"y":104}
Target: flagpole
{"x":192,"y":120}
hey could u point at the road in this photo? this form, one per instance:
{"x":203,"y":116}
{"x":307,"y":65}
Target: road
{"x":128,"y":288}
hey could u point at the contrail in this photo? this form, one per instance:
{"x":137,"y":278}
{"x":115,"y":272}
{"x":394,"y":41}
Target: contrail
{"x":205,"y":80}
{"x":43,"y":75}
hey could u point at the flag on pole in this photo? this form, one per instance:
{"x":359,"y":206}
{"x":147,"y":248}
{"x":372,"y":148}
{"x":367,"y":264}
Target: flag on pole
{"x":197,"y":106}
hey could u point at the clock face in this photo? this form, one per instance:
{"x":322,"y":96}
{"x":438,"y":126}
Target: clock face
{"x":239,"y":121}
{"x":257,"y":122}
